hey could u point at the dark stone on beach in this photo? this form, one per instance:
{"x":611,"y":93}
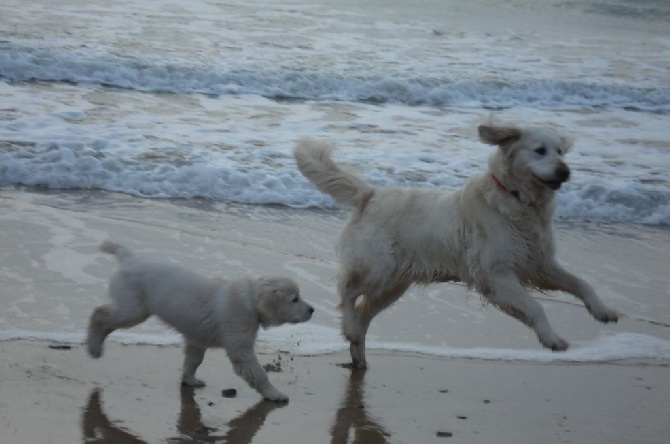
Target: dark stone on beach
{"x":444,"y":390}
{"x":487,"y":401}
{"x":444,"y":434}
{"x":462,"y":417}
{"x":229,"y":393}
{"x":60,"y":347}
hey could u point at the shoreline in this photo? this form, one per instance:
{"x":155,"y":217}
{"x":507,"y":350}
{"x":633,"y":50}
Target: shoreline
{"x":132,"y":395}
{"x":55,"y":275}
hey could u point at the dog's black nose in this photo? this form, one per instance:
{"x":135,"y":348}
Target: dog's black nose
{"x":311,"y":309}
{"x":563,"y":172}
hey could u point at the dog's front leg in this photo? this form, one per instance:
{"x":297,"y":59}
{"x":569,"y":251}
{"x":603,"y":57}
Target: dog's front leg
{"x":558,"y":278}
{"x":193,"y":356}
{"x":506,"y":292}
{"x":246,"y":365}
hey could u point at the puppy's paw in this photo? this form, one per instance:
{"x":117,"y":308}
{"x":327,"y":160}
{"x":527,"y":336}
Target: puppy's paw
{"x":94,"y":353}
{"x":94,"y":348}
{"x":275,"y":395}
{"x":190,"y":381}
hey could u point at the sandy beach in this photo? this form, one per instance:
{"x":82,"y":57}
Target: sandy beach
{"x":131,"y":395}
{"x":61,"y":396}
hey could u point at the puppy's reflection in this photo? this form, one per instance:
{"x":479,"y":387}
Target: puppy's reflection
{"x":97,"y":428}
{"x":352,"y":414}
{"x":244,"y":427}
{"x":189,"y":423}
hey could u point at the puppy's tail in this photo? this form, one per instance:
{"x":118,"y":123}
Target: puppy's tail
{"x":121,"y":252}
{"x":314,"y":162}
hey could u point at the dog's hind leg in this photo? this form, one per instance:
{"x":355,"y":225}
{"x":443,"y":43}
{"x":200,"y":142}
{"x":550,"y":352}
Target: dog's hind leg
{"x":193,"y":356}
{"x":104,"y":320}
{"x":349,"y":289}
{"x":506,"y":293}
{"x":362,"y":316}
{"x":98,"y":330}
{"x":354,"y":330}
{"x":354,"y":324}
{"x":557,"y":278}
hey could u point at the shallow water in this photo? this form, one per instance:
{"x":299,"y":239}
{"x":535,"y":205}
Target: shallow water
{"x":53,"y":276}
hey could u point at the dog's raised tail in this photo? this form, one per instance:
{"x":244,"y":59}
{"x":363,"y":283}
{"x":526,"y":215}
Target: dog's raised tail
{"x":117,"y":250}
{"x":314,"y":162}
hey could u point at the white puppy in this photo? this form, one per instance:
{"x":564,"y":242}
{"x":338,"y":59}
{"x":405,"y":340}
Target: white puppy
{"x":208,"y":312}
{"x":494,"y":234}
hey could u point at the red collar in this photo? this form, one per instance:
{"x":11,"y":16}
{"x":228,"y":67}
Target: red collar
{"x":503,"y":187}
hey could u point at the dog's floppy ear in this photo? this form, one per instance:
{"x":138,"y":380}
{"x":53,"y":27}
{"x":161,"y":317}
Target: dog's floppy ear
{"x":267,"y":307}
{"x":270,"y":290}
{"x":499,"y":135}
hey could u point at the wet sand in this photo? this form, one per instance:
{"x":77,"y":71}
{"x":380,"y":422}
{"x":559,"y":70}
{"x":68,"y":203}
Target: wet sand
{"x":53,"y":276}
{"x":132,"y":396}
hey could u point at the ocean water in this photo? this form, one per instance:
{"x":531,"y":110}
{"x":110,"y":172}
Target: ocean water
{"x":206,"y":99}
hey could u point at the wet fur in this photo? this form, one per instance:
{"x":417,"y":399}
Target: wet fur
{"x":207,"y":312}
{"x":496,"y":238}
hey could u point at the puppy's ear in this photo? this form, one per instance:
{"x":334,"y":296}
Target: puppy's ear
{"x":267,"y":310}
{"x":501,"y":136}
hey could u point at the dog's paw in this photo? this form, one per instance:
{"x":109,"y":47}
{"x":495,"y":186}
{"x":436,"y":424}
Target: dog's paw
{"x":192,"y":382}
{"x":275,"y":395}
{"x":560,"y":345}
{"x":605,"y":315}
{"x":555,"y":343}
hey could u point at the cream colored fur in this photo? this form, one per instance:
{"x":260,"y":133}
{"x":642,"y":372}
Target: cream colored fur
{"x":207,"y":312}
{"x":495,"y":237}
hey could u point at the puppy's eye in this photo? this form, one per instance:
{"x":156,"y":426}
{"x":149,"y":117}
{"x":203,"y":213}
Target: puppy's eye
{"x":541,"y":151}
{"x":560,"y":152}
{"x":295,"y":299}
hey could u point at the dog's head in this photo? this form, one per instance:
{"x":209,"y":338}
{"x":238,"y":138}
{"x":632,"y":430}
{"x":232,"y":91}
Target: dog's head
{"x":279,"y":302}
{"x":531,"y":155}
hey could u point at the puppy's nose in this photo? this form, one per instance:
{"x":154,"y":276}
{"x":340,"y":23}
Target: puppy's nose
{"x":311,"y":309}
{"x":562,"y":172}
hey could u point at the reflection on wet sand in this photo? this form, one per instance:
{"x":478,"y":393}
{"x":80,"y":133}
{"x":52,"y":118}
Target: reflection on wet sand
{"x":244,"y":427}
{"x":352,"y":414}
{"x":189,"y":424}
{"x":97,"y":428}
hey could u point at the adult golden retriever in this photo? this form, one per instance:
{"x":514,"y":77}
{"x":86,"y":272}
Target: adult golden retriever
{"x":494,"y":234}
{"x":207,"y":312}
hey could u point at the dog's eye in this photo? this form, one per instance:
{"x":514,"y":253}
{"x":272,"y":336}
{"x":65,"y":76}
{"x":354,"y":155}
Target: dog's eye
{"x":295,"y":299}
{"x":541,"y":151}
{"x":560,"y":152}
